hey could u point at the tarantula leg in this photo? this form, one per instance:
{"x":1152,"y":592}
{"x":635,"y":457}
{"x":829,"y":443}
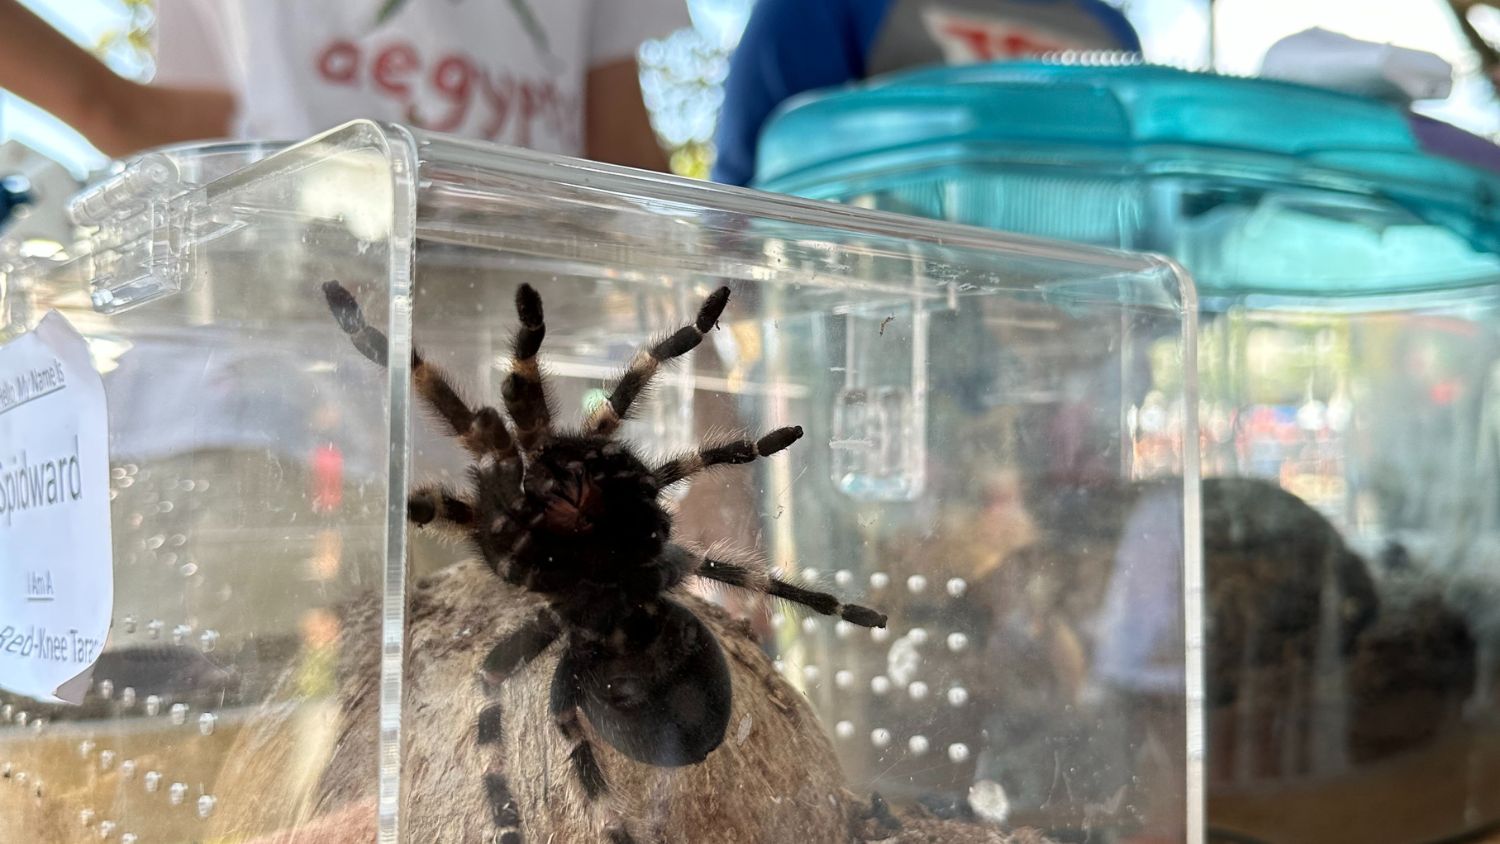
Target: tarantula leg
{"x":481,"y":431}
{"x":732,"y":452}
{"x":504,"y":812}
{"x":606,"y":418}
{"x":368,"y":340}
{"x":510,"y":654}
{"x":756,"y":578}
{"x":518,"y":648}
{"x":513,"y":652}
{"x":437,"y":506}
{"x":524,"y":389}
{"x":566,"y":699}
{"x":566,"y":705}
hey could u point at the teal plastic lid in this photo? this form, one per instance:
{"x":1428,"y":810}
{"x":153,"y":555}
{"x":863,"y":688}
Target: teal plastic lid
{"x":1123,"y":122}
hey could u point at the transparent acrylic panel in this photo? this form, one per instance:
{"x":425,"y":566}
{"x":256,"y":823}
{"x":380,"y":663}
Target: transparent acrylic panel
{"x":980,"y":419}
{"x":964,"y":400}
{"x":1350,"y":527}
{"x":248,"y":477}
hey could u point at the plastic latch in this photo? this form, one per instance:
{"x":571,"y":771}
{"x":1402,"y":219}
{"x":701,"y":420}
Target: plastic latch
{"x":880,"y":416}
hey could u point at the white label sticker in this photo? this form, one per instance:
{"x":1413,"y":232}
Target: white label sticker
{"x":56,"y":570}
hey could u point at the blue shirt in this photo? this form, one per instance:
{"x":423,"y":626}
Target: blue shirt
{"x":793,"y":46}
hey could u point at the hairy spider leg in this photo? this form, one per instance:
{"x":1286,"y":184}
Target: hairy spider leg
{"x":481,"y":432}
{"x":606,"y":418}
{"x":524,"y":390}
{"x":565,"y":702}
{"x":728,"y":452}
{"x":512,"y":653}
{"x":566,"y":706}
{"x":755,"y":577}
{"x":439,"y":506}
{"x":505,"y":813}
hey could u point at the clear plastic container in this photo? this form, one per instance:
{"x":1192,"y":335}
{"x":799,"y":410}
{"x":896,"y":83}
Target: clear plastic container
{"x":1349,"y":280}
{"x":290,"y":660}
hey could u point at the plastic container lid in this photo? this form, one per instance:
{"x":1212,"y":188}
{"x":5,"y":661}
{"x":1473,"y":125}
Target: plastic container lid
{"x":1130,"y":121}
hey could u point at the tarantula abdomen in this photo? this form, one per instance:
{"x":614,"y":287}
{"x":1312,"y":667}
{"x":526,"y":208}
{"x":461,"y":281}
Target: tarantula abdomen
{"x":680,"y":670}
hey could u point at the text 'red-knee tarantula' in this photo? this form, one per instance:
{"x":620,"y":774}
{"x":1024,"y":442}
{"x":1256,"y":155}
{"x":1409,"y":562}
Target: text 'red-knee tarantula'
{"x":575,"y":517}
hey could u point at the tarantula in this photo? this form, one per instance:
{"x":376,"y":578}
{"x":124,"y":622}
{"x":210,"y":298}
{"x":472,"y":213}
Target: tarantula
{"x":575,"y":517}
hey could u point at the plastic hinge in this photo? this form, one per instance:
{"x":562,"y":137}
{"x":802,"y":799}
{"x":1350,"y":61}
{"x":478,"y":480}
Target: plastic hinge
{"x":130,"y":257}
{"x":127,"y":193}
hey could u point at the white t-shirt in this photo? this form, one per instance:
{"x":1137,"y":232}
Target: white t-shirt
{"x":510,"y":71}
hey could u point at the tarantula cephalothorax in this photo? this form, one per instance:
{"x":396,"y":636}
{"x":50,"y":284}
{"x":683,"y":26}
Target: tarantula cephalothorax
{"x":575,"y":518}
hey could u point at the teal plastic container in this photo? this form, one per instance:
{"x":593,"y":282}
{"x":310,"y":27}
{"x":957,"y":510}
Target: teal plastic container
{"x":1253,"y":185}
{"x":1348,"y":363}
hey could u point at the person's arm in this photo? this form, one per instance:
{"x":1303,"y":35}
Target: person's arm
{"x":617,"y":127}
{"x":40,"y":64}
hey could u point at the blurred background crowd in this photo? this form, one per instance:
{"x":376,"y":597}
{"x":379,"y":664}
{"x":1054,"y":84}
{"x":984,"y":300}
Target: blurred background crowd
{"x":704,"y":100}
